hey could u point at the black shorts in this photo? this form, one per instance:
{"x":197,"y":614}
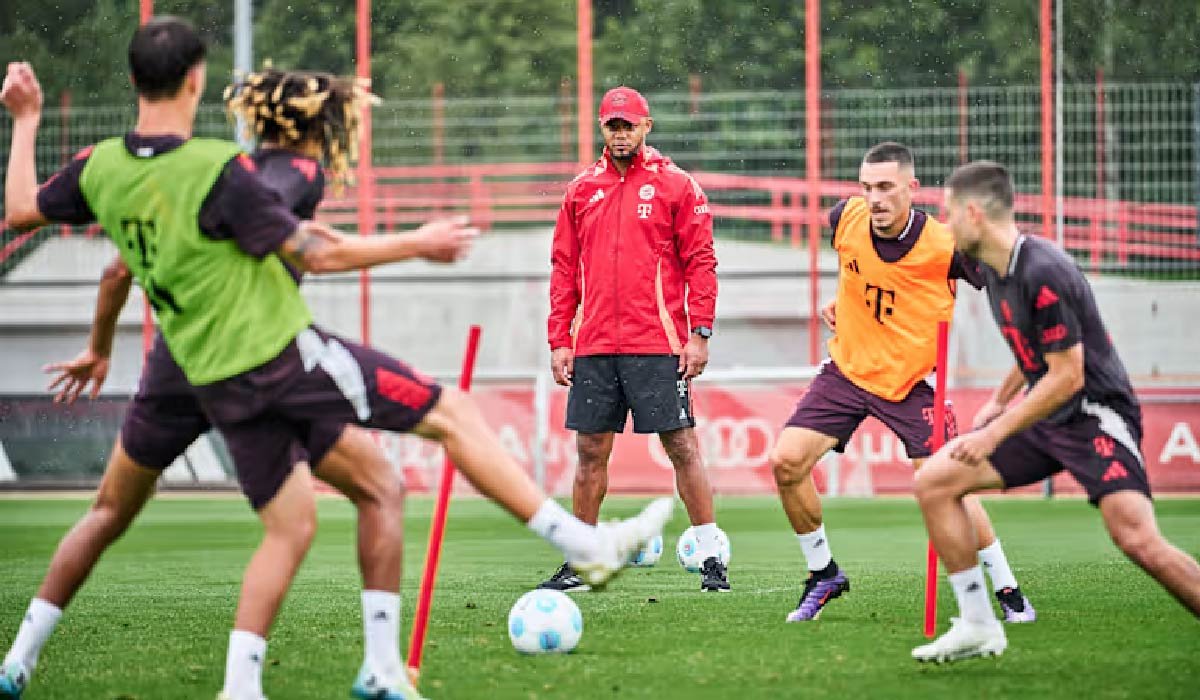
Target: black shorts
{"x":165,"y":417}
{"x":835,"y":406}
{"x":605,"y":388}
{"x":270,"y":414}
{"x":1099,"y":448}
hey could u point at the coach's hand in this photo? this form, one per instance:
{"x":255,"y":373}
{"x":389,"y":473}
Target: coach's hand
{"x":829,"y":315}
{"x":694,"y":358}
{"x":562,"y":364}
{"x":447,"y":240}
{"x":973,"y":447}
{"x":72,"y":377}
{"x":21,"y":92}
{"x":987,"y":413}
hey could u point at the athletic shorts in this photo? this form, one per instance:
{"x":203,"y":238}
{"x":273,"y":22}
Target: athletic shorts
{"x":165,"y":416}
{"x":835,"y":406}
{"x":606,"y":388}
{"x":268,"y":414}
{"x":1099,"y":447}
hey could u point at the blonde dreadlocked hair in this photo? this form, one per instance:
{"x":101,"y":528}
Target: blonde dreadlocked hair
{"x":295,"y":108}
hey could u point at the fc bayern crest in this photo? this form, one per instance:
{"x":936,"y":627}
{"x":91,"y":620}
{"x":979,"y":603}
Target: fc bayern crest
{"x":646,"y":192}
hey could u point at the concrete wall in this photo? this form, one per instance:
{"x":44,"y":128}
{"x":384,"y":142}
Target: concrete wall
{"x":421,"y":312}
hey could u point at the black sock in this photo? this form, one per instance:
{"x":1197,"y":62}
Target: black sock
{"x":828,"y":572}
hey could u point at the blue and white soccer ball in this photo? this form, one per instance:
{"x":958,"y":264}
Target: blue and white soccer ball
{"x":649,"y":554}
{"x":688,"y":551}
{"x":545,"y":622}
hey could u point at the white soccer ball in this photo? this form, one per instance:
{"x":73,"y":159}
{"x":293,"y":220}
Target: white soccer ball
{"x":545,"y":622}
{"x":649,"y":554}
{"x":688,"y":551}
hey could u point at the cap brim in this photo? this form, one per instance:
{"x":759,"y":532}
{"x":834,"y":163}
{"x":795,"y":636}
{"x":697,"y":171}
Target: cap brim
{"x":631,"y":117}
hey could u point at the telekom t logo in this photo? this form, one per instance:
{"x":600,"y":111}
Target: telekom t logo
{"x":644,"y":209}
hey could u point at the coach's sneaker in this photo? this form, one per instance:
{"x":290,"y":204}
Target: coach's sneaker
{"x":13,"y":679}
{"x":963,"y":641}
{"x":620,"y":539}
{"x":371,"y":686}
{"x":713,"y":576}
{"x":1016,"y":606}
{"x":817,"y":592}
{"x":565,"y":580}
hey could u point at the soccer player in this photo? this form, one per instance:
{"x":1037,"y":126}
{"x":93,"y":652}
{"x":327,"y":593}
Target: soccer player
{"x":897,"y":272}
{"x":303,"y":123}
{"x":1079,"y":414}
{"x":207,"y":242}
{"x":633,"y":241}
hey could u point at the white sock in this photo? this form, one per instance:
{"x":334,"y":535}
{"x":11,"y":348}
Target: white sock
{"x":996,"y":564}
{"x":974,"y":604}
{"x":40,"y":620}
{"x":707,"y":540}
{"x":381,"y":633}
{"x":816,"y":549}
{"x":243,"y":666}
{"x":575,"y":538}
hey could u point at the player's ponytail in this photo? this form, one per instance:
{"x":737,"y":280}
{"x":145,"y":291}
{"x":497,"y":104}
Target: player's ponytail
{"x":295,"y":108}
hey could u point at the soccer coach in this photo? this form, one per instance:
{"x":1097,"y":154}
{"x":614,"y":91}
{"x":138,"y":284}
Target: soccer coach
{"x":633,"y":293}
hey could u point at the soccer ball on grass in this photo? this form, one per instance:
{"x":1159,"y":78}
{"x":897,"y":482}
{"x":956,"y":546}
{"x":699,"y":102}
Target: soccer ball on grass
{"x":545,"y":622}
{"x":688,"y":550}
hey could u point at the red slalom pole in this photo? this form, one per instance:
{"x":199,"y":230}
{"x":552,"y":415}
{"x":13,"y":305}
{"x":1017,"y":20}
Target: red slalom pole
{"x":939,"y":439}
{"x":437,"y":527}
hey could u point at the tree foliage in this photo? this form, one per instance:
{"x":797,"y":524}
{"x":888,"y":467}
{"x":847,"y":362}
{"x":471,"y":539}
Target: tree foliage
{"x":527,"y":47}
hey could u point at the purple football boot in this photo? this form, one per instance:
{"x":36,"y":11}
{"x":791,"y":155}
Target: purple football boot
{"x":818,"y":592}
{"x":1015,"y":605}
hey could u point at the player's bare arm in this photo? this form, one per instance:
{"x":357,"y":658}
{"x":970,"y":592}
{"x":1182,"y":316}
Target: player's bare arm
{"x":22,"y":96}
{"x":1063,"y":379}
{"x":317,"y":248}
{"x":72,"y":378}
{"x":1008,"y":390}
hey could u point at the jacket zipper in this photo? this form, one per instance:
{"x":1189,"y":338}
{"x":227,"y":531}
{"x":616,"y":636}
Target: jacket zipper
{"x":617,"y":262}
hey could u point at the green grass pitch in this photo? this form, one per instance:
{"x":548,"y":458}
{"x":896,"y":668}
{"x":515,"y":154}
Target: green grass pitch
{"x":153,"y":622}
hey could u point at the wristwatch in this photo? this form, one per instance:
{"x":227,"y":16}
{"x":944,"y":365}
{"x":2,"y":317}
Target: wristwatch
{"x":703,"y":331}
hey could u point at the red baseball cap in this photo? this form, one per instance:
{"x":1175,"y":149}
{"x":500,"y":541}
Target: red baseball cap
{"x":623,"y":103}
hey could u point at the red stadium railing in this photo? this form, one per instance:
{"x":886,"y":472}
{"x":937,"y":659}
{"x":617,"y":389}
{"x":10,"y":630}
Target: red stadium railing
{"x":1103,"y":234}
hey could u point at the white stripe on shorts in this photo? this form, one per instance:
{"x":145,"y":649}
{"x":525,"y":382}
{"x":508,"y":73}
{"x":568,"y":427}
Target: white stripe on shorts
{"x":1113,"y":425}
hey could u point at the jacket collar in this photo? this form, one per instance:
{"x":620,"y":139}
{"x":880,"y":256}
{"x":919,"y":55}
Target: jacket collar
{"x":647,"y":157}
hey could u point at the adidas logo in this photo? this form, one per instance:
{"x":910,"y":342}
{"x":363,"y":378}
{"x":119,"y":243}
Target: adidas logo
{"x":819,"y":543}
{"x":1114,"y":472}
{"x":596,"y":197}
{"x":256,"y":658}
{"x":1045,"y":298}
{"x":380,"y":616}
{"x":852,"y":266}
{"x":972,"y":588}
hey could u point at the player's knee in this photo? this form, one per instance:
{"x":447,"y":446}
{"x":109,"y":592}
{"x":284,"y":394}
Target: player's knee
{"x":1138,"y":541}
{"x":111,"y":514}
{"x":302,"y":530}
{"x":451,"y":416}
{"x":294,"y":529}
{"x":934,"y":481}
{"x":593,"y":453}
{"x":790,"y":465}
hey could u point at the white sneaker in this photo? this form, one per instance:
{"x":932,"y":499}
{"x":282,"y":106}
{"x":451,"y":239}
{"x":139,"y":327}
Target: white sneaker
{"x":620,"y":539}
{"x":226,"y":696}
{"x":963,"y":641}
{"x":372,"y":686}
